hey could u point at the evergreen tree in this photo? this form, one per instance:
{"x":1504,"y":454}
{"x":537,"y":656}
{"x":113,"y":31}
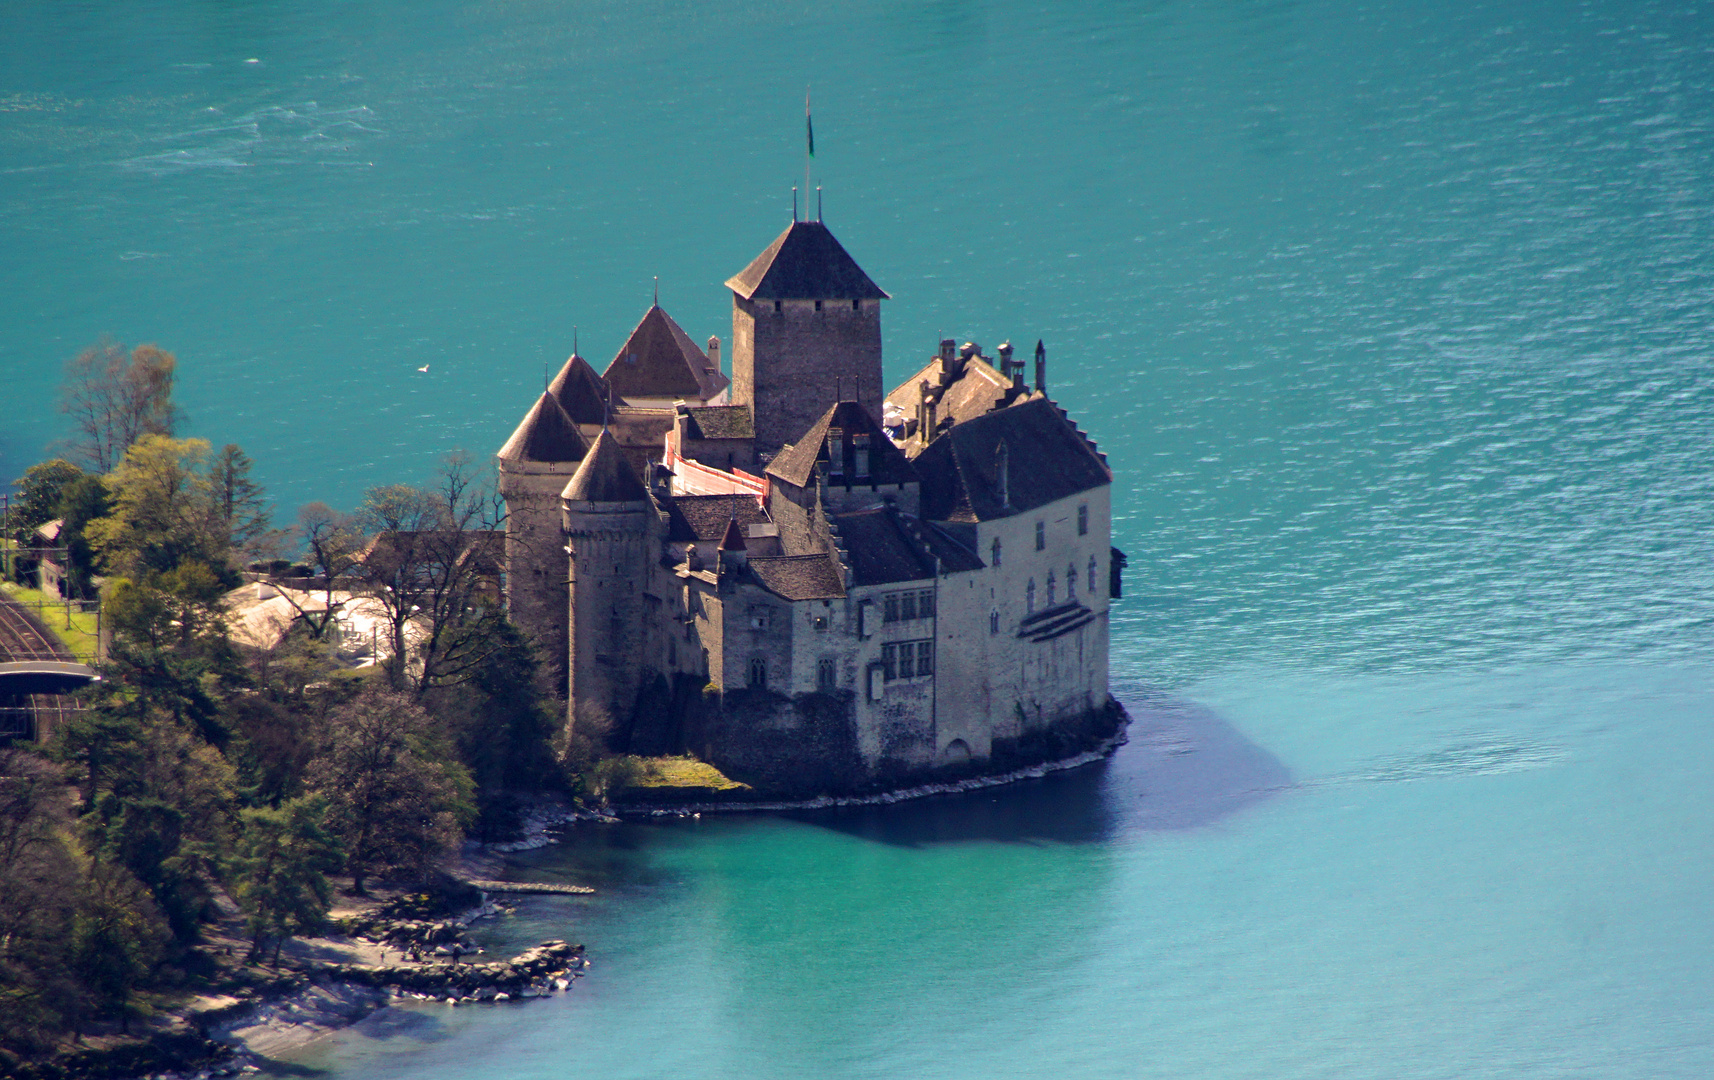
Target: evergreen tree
{"x":280,"y":870}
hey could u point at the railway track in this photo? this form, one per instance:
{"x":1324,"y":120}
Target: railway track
{"x":23,"y":638}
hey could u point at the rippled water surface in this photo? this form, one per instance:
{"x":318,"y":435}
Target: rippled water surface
{"x":1393,"y":320}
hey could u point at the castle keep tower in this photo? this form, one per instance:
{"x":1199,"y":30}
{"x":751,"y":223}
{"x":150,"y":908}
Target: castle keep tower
{"x":805,"y":320}
{"x":606,"y":518}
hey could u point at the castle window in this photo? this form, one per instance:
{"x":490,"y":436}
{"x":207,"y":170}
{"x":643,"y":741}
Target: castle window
{"x":759,"y":673}
{"x":907,"y":606}
{"x":994,"y":621}
{"x":925,"y":658}
{"x":761,"y":618}
{"x":856,"y":305}
{"x":1070,"y":582}
{"x":818,"y":305}
{"x":889,"y":662}
{"x":925,"y":604}
{"x":1030,"y":597}
{"x":835,"y":452}
{"x":820,"y":621}
{"x":1091,"y":575}
{"x":826,"y":676}
{"x":860,"y":451}
{"x":995,"y":561}
{"x":1050,"y":588}
{"x":776,"y":307}
{"x":1083,"y":520}
{"x":890,"y":608}
{"x":907,"y":659}
{"x":1041,"y":536}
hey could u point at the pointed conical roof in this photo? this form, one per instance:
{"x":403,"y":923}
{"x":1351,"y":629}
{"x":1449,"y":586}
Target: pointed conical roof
{"x":805,"y":263}
{"x":734,"y":538}
{"x":659,"y":360}
{"x":546,"y":435}
{"x":581,"y":393}
{"x":605,"y":476}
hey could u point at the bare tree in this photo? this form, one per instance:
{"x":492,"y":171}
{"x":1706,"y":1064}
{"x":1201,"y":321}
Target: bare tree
{"x":115,"y":399}
{"x":333,"y":544}
{"x":433,"y":564}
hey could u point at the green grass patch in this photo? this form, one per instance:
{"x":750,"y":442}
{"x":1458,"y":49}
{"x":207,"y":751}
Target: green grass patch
{"x":682,"y":772}
{"x":81,"y":637}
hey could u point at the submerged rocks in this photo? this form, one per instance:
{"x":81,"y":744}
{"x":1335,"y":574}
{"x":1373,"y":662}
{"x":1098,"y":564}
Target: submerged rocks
{"x":548,"y":967}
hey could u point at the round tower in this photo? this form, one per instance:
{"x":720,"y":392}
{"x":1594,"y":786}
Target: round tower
{"x":535,"y":465}
{"x":605,"y":517}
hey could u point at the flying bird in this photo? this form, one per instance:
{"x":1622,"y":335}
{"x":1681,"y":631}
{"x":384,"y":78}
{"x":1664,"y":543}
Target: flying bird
{"x":423,"y":368}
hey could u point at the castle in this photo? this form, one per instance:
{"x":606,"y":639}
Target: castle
{"x":812,"y":587}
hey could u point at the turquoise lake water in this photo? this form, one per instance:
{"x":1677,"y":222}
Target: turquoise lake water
{"x":1395,"y":321}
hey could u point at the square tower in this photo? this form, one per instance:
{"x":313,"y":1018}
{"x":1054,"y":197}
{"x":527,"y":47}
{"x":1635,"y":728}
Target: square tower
{"x":806,"y":332}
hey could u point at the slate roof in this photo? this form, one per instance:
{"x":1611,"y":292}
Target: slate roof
{"x":978,"y":389}
{"x":1049,"y":459}
{"x":546,"y":435}
{"x":659,"y":360}
{"x":805,"y":263}
{"x":881,"y":548}
{"x":720,"y":422}
{"x":605,"y":476}
{"x":581,"y":392}
{"x":796,"y":464}
{"x":799,"y":577}
{"x":704,"y":517}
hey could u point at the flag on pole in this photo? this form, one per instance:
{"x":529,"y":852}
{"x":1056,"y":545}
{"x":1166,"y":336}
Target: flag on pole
{"x":808,"y":125}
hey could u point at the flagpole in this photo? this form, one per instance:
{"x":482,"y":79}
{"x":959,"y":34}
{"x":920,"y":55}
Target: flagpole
{"x":808,"y":150}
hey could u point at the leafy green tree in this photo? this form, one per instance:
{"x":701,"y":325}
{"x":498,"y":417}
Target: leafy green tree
{"x":39,"y":492}
{"x":239,"y":504}
{"x":115,"y":399}
{"x":117,"y":938}
{"x":398,"y":798}
{"x":84,"y":500}
{"x":40,"y":880}
{"x":280,"y":870}
{"x":164,"y":511}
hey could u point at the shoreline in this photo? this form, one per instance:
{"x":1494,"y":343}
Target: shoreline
{"x":320,"y":998}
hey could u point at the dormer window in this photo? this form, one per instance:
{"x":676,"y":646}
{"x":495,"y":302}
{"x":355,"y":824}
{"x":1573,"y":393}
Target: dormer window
{"x":856,"y":305}
{"x":818,"y":305}
{"x":860,"y":451}
{"x":776,"y":307}
{"x":835,"y":452}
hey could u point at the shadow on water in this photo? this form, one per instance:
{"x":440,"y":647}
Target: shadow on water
{"x":1183,"y":768}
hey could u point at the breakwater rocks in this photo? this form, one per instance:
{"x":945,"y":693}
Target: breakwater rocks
{"x":545,"y":969}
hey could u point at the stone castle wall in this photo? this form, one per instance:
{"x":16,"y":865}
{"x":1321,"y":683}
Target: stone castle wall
{"x":786,"y":363}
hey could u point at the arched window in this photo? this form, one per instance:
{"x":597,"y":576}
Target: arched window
{"x":995,"y":561}
{"x":1050,"y":588}
{"x":1030,"y":597}
{"x":758,"y":673}
{"x":1070,"y":582}
{"x":1091,"y":575}
{"x":826,"y":676}
{"x":994,"y":621}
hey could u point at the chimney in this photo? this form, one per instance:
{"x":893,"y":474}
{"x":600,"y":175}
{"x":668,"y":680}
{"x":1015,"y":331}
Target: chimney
{"x":1005,"y":351}
{"x":714,"y":353}
{"x":835,"y":452}
{"x":948,"y":349}
{"x":1041,"y":366}
{"x":1003,"y":475}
